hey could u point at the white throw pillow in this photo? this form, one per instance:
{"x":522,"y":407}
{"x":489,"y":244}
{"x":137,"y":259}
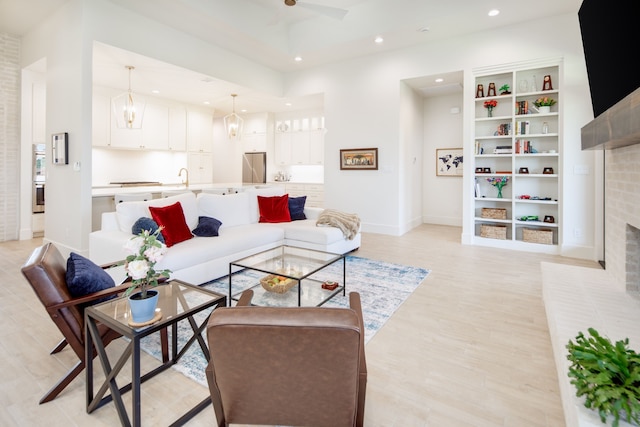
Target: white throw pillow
{"x":230,"y":209}
{"x":129,"y":212}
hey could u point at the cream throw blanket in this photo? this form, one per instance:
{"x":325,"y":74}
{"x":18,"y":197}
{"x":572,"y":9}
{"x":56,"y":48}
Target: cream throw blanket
{"x":348,"y":223}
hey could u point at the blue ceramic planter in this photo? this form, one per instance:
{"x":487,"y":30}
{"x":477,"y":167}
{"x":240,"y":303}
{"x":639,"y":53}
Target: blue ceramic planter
{"x":143,"y":310}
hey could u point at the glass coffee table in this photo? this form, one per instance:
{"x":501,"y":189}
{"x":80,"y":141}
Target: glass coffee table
{"x":301,"y":268}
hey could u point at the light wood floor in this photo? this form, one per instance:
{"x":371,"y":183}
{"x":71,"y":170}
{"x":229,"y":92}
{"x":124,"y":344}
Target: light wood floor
{"x":470,"y":347}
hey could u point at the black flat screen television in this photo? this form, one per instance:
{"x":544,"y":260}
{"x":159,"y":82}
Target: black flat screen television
{"x":610,"y":39}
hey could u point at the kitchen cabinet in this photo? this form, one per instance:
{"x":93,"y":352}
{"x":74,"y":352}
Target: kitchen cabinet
{"x":314,"y":193}
{"x":177,"y":129}
{"x":254,"y":142}
{"x":255,"y":123}
{"x":300,"y":147}
{"x":200,"y":167}
{"x":155,"y":127}
{"x":521,"y":145}
{"x":316,"y":147}
{"x":124,"y":137}
{"x":282,"y":145}
{"x":199,"y":131}
{"x":98,"y":207}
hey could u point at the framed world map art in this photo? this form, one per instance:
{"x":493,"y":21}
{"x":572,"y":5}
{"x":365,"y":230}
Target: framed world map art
{"x":449,"y":162}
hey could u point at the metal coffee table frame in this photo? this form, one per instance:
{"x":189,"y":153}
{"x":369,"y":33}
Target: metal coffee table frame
{"x":175,"y":308}
{"x":295,"y":263}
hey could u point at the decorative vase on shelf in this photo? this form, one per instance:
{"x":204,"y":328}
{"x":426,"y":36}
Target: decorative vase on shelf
{"x":143,"y":310}
{"x":489,"y":111}
{"x":544,"y":109}
{"x":499,"y":192}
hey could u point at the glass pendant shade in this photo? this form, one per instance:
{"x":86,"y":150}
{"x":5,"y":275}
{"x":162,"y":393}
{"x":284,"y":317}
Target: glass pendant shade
{"x":127,"y":110}
{"x":233,"y":122}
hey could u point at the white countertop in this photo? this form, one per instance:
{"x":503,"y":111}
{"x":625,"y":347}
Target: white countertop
{"x":111,"y":190}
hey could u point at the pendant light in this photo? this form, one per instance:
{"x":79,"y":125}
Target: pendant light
{"x":233,"y":122}
{"x":127,"y":112}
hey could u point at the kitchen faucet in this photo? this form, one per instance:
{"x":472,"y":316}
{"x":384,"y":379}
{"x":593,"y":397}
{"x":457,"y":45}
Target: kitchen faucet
{"x":186,"y":182}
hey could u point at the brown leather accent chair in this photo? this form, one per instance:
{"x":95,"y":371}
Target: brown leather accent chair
{"x":45,"y":271}
{"x":287,"y":366}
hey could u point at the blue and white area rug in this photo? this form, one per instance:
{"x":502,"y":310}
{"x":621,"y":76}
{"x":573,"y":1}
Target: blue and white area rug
{"x":382,"y":286}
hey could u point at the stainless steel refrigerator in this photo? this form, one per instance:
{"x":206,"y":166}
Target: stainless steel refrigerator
{"x":254,"y":168}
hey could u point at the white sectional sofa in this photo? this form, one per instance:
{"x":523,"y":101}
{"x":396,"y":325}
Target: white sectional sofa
{"x":202,"y":259}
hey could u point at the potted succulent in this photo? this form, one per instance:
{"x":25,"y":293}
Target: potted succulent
{"x":505,"y":89}
{"x":607,"y":375}
{"x":145,"y":250}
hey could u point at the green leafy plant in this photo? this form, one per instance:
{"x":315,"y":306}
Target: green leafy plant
{"x":505,"y":89}
{"x":544,"y":101}
{"x":607,"y":375}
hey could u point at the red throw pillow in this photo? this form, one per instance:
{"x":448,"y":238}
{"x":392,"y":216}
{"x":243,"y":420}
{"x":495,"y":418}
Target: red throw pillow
{"x":172,"y":219}
{"x":274,"y":209}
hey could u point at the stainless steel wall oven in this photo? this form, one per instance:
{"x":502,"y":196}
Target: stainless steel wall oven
{"x":39,"y":165}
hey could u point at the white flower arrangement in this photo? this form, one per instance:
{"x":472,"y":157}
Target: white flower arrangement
{"x":144,"y":250}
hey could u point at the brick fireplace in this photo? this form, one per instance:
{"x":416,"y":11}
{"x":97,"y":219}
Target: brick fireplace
{"x":577,"y":298}
{"x":618,"y":132}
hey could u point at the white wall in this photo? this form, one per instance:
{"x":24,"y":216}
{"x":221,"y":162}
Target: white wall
{"x":362,"y":105}
{"x":442,"y":130}
{"x":362,"y":99}
{"x":411,"y":151}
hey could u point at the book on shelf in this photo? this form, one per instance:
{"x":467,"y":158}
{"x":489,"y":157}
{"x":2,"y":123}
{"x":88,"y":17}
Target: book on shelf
{"x":522,"y":107}
{"x":504,"y":129}
{"x":522,"y":127}
{"x":523,"y":146}
{"x":503,"y":149}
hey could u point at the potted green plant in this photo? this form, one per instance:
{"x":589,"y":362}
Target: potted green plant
{"x":505,"y":89}
{"x":145,"y":250}
{"x":607,"y":375}
{"x":544,"y":104}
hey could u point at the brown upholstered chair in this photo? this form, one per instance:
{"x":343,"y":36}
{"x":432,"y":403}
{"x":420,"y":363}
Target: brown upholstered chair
{"x":287,"y":366}
{"x":45,"y":270}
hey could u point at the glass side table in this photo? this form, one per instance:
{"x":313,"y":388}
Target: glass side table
{"x":177,"y":301}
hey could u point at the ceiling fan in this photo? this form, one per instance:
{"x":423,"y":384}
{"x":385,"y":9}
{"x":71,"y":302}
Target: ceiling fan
{"x":332,"y":12}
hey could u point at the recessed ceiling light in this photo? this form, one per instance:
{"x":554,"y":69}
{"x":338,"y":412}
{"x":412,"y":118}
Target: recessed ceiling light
{"x":244,"y":110}
{"x":378,"y":39}
{"x":494,"y":12}
{"x":206,"y":102}
{"x":439,"y":80}
{"x":298,"y":58}
{"x":288,"y":104}
{"x":155,"y":91}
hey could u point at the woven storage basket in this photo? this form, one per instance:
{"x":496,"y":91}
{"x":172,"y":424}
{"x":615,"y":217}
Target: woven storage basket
{"x":494,"y":213}
{"x":493,"y":231}
{"x":537,"y":235}
{"x":280,"y":288}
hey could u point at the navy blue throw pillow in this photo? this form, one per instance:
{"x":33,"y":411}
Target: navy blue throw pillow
{"x":144,"y":223}
{"x":296,"y":208}
{"x":207,"y":227}
{"x":84,"y":277}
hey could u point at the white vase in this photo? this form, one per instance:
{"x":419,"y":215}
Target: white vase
{"x":544,"y":109}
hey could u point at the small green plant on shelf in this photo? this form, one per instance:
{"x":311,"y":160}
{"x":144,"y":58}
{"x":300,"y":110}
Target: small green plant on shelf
{"x":607,"y":375}
{"x":505,"y":90}
{"x":544,"y":101}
